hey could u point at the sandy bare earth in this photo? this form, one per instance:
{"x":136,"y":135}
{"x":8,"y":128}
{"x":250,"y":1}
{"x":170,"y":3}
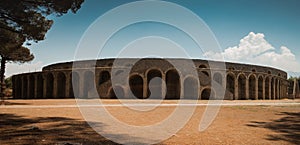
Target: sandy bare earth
{"x":238,"y":122}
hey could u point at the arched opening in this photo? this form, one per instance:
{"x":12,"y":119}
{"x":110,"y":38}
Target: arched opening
{"x":136,"y":86}
{"x":104,"y":77}
{"x":252,"y":87}
{"x":202,"y":66}
{"x":230,"y":87}
{"x":267,"y":88}
{"x":173,"y":85}
{"x":272,"y":88}
{"x":260,"y":88}
{"x":207,"y":94}
{"x":31,"y":86}
{"x":74,"y":85}
{"x":242,"y":87}
{"x":116,"y":93}
{"x":40,"y":86}
{"x":156,"y":85}
{"x":18,"y":88}
{"x":89,"y":85}
{"x":191,"y":87}
{"x":218,"y":78}
{"x":205,"y":73}
{"x":25,"y":87}
{"x":49,"y":92}
{"x":61,"y":85}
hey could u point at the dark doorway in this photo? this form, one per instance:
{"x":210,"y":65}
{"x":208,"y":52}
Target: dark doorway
{"x":173,"y":85}
{"x":61,"y":85}
{"x":136,"y":86}
{"x":242,"y":87}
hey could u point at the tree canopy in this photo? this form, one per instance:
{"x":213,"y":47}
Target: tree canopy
{"x":29,"y":17}
{"x":27,"y":21}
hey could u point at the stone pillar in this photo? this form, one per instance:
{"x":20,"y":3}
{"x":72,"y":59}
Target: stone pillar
{"x":145,"y":87}
{"x":236,"y":89}
{"x":274,"y":90}
{"x":270,"y":89}
{"x":28,"y":86}
{"x":163,"y":85}
{"x":45,"y":82}
{"x":256,"y":88}
{"x":22,"y":88}
{"x":97,"y":78}
{"x":81,"y":84}
{"x":294,"y":89}
{"x":278,"y":90}
{"x":54,"y":85}
{"x":247,"y":88}
{"x":264,"y":89}
{"x":35,"y":86}
{"x":68,"y":81}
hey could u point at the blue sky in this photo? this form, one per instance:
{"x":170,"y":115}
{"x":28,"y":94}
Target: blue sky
{"x":230,"y":20}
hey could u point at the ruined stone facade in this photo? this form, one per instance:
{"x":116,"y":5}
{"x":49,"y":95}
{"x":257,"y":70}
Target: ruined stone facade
{"x":240,"y":81}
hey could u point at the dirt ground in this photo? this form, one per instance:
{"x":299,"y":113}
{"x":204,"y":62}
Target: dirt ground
{"x":38,"y":122}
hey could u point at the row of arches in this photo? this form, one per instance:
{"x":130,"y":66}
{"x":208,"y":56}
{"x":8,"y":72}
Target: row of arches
{"x":254,"y":88}
{"x":88,"y":85}
{"x":45,"y":85}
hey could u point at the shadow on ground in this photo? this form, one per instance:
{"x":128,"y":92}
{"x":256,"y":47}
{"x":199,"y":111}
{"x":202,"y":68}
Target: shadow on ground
{"x":49,"y":130}
{"x":286,"y":128}
{"x":5,"y":102}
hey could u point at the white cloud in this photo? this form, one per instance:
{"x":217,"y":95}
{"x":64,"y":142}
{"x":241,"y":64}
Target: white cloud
{"x":14,"y":68}
{"x":256,"y":50}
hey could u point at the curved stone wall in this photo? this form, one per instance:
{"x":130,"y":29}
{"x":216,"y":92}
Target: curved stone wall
{"x":241,"y":81}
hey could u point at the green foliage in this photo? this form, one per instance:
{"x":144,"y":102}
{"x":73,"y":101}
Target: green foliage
{"x":12,"y":49}
{"x":26,"y":21}
{"x":293,"y":78}
{"x":8,"y":82}
{"x":28,"y":18}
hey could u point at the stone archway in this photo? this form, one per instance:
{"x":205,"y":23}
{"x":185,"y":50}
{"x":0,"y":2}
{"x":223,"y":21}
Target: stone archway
{"x":242,"y":87}
{"x":207,"y":94}
{"x":230,"y":87}
{"x":50,"y":79}
{"x":157,"y":85}
{"x":136,"y":84}
{"x":252,"y":87}
{"x":191,"y":87}
{"x":173,"y":85}
{"x":61,"y":85}
{"x":260,"y":88}
{"x":104,"y":77}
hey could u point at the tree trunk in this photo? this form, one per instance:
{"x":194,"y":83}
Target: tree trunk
{"x":2,"y":71}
